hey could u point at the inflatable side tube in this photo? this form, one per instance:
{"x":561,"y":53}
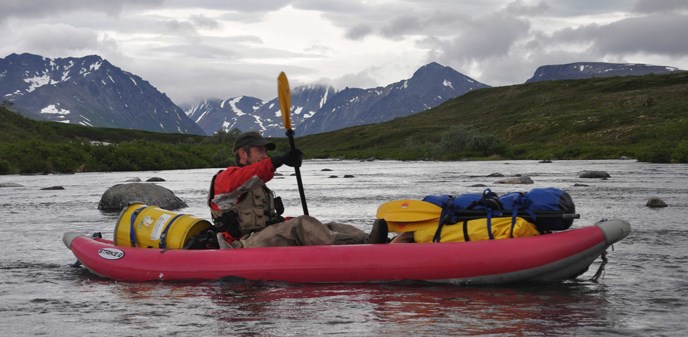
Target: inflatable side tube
{"x":68,"y":237}
{"x":614,"y":230}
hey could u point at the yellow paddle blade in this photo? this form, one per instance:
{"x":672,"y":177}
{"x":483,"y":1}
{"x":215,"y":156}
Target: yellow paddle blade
{"x":284,"y":94}
{"x":399,"y":227}
{"x":408,"y":211}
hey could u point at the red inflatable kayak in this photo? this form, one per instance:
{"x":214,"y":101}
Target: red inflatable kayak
{"x":550,"y":257}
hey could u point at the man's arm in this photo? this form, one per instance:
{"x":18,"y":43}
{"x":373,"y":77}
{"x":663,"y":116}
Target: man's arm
{"x":234,"y":176}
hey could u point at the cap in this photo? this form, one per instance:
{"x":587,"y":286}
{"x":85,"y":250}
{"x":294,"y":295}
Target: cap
{"x":252,"y":138}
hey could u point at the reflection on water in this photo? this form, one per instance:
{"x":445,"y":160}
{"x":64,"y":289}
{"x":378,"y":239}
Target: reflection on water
{"x":424,"y":309}
{"x":234,"y":307}
{"x":643,"y":292}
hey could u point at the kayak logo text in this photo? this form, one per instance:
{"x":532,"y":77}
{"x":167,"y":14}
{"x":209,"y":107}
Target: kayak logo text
{"x":111,"y":253}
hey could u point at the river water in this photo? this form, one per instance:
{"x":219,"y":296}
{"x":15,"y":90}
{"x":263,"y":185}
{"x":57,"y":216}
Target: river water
{"x":644,"y":290}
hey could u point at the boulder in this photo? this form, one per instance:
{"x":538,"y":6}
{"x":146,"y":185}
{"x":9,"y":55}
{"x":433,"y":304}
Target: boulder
{"x":154,"y":179}
{"x":348,"y":176}
{"x":119,"y":196}
{"x":11,"y":185}
{"x":655,"y":202}
{"x":496,"y":174}
{"x":133,"y":180}
{"x":594,"y":174}
{"x":516,"y":180}
{"x":52,"y":188}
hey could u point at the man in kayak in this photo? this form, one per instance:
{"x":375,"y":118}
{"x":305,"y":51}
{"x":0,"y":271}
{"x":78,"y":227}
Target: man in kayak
{"x":247,"y":213}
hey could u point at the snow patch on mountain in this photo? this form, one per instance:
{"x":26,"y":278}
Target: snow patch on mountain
{"x":37,"y":82}
{"x":52,"y":109}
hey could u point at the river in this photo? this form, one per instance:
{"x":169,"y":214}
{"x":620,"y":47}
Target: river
{"x":643,"y":292}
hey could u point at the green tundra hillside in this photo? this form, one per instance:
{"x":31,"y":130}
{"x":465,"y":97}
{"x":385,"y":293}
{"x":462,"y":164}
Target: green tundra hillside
{"x":642,"y":117}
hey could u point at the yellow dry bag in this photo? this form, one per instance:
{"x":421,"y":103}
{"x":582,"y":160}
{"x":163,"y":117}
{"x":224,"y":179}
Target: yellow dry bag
{"x":477,"y":230}
{"x":145,"y":226}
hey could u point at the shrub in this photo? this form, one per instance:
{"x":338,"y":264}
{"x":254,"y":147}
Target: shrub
{"x":461,"y":140}
{"x":5,"y":167}
{"x":655,"y":154}
{"x":680,"y":153}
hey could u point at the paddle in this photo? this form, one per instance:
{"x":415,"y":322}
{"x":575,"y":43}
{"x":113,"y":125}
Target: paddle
{"x":284,"y":94}
{"x":409,"y":215}
{"x":408,"y":211}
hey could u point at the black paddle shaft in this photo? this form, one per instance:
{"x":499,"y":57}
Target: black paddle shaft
{"x":302,"y":194}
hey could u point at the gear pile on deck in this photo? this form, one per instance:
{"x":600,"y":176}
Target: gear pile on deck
{"x":487,"y":216}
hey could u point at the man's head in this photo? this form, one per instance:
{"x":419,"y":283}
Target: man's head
{"x":251,"y":147}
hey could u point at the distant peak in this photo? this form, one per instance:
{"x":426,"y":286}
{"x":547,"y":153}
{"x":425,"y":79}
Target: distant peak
{"x":580,"y":70}
{"x":433,"y":64}
{"x":92,"y":58}
{"x":430,"y":67}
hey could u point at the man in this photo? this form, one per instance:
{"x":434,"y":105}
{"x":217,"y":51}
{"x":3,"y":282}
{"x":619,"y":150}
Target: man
{"x":248,"y":214}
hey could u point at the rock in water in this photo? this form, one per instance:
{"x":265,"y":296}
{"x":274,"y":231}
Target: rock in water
{"x":516,"y":180}
{"x":51,"y":188}
{"x":594,"y":174}
{"x":655,"y":202}
{"x":119,"y":196}
{"x":11,"y":185}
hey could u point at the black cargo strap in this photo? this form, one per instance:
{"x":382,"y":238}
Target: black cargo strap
{"x":163,"y":236}
{"x":132,"y":229}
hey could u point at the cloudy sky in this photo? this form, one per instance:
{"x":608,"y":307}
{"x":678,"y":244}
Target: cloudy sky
{"x":193,"y":49}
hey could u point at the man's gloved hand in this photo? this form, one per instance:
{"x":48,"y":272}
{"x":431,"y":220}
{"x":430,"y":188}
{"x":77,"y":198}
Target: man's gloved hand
{"x":291,"y":158}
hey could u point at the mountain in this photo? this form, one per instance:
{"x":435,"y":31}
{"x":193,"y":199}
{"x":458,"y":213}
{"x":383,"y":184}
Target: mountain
{"x":581,"y":70}
{"x":88,"y":91}
{"x":430,"y":86}
{"x":319,"y":108}
{"x":217,"y":114}
{"x":248,"y":113}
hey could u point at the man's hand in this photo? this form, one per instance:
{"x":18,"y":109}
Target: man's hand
{"x":291,"y":158}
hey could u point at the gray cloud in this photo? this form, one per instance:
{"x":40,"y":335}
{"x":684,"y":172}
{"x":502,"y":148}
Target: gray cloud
{"x":178,"y":27}
{"x":483,"y":39}
{"x":358,"y":32}
{"x":205,"y":81}
{"x":655,"y":34}
{"x":520,"y":8}
{"x":362,"y":79}
{"x":567,"y":8}
{"x":402,"y":25}
{"x":37,"y":8}
{"x":57,"y":40}
{"x":203,"y":21}
{"x":655,"y":6}
{"x":229,"y":5}
{"x":497,"y":42}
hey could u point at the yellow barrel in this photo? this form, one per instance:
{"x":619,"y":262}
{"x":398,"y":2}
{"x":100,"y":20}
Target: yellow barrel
{"x":145,"y":226}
